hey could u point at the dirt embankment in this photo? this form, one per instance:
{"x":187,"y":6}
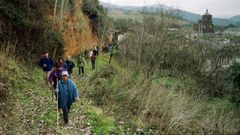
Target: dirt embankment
{"x":76,"y":28}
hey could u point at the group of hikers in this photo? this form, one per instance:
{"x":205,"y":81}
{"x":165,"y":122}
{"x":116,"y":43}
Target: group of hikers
{"x":58,"y":76}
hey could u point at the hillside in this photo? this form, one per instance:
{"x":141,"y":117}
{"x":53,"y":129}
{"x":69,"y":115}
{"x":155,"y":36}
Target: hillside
{"x":70,"y":33}
{"x":115,"y":99}
{"x":195,"y":17}
{"x":236,"y":18}
{"x":28,"y":106}
{"x":192,"y":17}
{"x":27,"y":29}
{"x":158,"y":79}
{"x":154,"y":8}
{"x":78,"y":33}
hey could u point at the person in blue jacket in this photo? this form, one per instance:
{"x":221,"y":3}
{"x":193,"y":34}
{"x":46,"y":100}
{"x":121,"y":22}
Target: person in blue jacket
{"x":67,"y":95}
{"x":46,"y":64}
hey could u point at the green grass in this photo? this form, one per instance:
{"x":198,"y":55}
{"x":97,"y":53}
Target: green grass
{"x":168,"y":82}
{"x":102,"y":125}
{"x":159,"y":103}
{"x":143,"y":106}
{"x":34,"y":110}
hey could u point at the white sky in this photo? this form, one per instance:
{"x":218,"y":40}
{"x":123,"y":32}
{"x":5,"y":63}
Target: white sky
{"x":219,"y":8}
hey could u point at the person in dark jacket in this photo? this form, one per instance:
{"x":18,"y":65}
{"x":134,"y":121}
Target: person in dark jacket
{"x":93,"y":60}
{"x":46,"y":64}
{"x":64,"y":65}
{"x":70,"y":65}
{"x":68,"y":94}
{"x":95,"y":51}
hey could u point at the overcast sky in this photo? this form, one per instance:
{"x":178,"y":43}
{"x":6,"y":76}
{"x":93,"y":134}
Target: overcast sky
{"x":219,"y":8}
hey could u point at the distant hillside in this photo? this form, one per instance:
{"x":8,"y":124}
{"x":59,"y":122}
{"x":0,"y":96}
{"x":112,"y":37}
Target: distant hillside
{"x":223,"y":22}
{"x":157,"y":7}
{"x":188,"y":15}
{"x":236,"y":18}
{"x":192,"y":17}
{"x":108,"y":5}
{"x":195,"y":17}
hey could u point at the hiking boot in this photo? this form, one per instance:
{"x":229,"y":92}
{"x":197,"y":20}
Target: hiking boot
{"x":68,"y":125}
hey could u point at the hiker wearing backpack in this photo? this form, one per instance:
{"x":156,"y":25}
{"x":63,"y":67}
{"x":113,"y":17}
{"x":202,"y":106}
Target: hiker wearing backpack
{"x":46,"y":64}
{"x":56,"y":74}
{"x":70,"y":65}
{"x":67,"y":94}
{"x":93,"y":60}
{"x":81,"y":64}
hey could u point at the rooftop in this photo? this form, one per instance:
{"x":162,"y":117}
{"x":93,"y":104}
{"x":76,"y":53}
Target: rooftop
{"x":207,"y":12}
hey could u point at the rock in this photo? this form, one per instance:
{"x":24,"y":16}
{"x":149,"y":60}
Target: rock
{"x":122,"y":122}
{"x":4,"y":115}
{"x":139,"y":130}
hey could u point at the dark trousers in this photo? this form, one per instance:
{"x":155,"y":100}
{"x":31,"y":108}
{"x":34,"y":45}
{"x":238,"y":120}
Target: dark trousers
{"x":66,"y":111}
{"x":93,"y":65}
{"x":81,"y":70}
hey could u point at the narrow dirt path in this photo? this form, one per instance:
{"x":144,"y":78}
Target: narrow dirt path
{"x":35,"y":110}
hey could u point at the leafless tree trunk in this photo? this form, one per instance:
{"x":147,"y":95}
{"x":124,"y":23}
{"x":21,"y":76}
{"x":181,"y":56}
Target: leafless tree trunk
{"x":55,"y":10}
{"x":62,"y":8}
{"x":29,"y":5}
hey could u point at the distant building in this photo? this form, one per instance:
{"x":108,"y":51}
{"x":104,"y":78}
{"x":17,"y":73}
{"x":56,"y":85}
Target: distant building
{"x":205,"y":25}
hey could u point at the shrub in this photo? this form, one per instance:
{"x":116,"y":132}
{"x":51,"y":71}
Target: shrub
{"x":98,"y":15}
{"x":20,"y":29}
{"x":154,"y":47}
{"x":122,"y":24}
{"x":166,"y":109}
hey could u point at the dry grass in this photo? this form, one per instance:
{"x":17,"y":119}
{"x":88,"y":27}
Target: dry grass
{"x":7,"y":72}
{"x":153,"y":105}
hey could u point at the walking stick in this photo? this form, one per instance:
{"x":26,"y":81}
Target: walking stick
{"x":52,"y":89}
{"x":57,"y":90}
{"x":90,"y":62}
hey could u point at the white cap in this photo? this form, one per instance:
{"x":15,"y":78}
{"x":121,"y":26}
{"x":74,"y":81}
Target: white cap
{"x":64,"y":73}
